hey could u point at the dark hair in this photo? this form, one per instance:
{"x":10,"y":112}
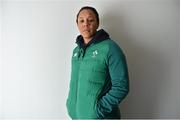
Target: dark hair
{"x":88,"y":8}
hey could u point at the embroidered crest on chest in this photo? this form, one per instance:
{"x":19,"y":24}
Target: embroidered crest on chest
{"x":94,"y":53}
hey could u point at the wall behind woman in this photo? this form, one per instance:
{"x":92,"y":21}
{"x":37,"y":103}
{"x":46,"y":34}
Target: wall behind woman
{"x":38,"y":38}
{"x":1,"y":59}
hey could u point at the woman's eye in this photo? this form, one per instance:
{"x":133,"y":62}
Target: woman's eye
{"x":81,"y":21}
{"x":91,"y":20}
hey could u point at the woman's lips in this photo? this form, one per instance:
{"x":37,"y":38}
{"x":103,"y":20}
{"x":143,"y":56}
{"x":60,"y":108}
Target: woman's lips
{"x":86,"y":30}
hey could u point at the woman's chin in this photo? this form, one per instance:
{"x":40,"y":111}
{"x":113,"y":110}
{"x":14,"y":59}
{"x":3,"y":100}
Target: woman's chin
{"x":86,"y":36}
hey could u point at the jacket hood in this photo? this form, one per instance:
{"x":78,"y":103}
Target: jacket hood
{"x":99,"y":36}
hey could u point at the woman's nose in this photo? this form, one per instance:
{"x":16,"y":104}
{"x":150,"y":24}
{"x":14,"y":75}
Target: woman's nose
{"x":86,"y":22}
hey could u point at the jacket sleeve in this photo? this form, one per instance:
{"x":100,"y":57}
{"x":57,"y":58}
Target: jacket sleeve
{"x":119,"y":79}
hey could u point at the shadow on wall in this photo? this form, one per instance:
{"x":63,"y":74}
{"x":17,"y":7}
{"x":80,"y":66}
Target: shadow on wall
{"x":146,"y":71}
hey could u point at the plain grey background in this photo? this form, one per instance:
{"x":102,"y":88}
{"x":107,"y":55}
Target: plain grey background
{"x":37,"y":38}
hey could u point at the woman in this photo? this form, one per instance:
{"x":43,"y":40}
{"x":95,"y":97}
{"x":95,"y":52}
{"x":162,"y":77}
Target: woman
{"x":99,"y":76}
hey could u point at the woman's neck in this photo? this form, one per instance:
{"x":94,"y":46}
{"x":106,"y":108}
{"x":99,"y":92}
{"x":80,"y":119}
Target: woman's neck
{"x":87,"y":40}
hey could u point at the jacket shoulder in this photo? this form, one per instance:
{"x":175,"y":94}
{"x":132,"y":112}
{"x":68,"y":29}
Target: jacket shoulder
{"x":114,"y":47}
{"x":76,"y":49}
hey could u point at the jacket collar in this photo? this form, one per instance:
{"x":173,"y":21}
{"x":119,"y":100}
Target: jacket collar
{"x":99,"y":36}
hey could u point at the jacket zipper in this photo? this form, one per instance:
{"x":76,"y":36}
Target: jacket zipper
{"x":81,"y":53}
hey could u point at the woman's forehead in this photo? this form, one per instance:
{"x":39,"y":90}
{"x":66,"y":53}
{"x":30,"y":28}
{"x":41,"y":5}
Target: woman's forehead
{"x":86,"y":12}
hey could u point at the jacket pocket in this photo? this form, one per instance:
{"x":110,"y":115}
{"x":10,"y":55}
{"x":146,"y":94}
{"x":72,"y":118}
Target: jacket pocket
{"x":98,"y":112}
{"x":104,"y":114}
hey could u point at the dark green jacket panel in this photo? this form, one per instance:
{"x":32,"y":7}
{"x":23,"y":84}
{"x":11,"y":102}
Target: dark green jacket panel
{"x":119,"y":85}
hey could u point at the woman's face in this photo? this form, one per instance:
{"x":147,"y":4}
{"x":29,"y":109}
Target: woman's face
{"x":87,"y":24}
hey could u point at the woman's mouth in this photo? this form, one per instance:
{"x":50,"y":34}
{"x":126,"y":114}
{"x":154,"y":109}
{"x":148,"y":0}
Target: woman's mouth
{"x":86,"y":30}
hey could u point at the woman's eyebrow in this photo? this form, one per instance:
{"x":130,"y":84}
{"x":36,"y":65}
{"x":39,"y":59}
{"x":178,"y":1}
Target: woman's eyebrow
{"x":87,"y":17}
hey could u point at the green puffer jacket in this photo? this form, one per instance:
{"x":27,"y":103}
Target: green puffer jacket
{"x":99,"y":79}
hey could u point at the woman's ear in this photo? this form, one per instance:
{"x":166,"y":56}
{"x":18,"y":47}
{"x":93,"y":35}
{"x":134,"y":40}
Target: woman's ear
{"x":97,"y":26}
